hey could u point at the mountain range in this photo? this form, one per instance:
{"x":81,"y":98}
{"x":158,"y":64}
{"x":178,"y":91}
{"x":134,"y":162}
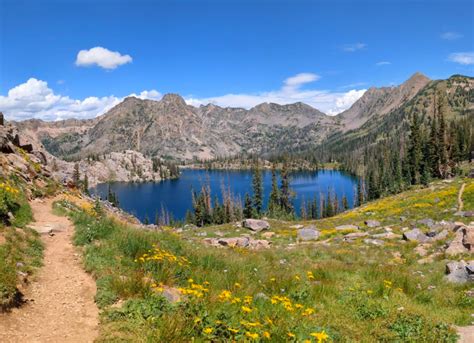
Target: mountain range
{"x":171,"y":129}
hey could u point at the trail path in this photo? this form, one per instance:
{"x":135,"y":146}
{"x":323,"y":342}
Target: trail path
{"x":460,"y":202}
{"x":60,"y":305}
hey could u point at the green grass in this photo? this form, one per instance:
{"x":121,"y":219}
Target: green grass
{"x":21,"y":252}
{"x":358,"y":293}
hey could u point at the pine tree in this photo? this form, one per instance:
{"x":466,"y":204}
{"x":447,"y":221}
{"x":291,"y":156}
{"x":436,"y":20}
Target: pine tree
{"x":248,"y":209}
{"x":85,"y":185}
{"x":274,"y":201}
{"x":286,"y":194}
{"x":345,"y":203}
{"x":415,"y":151}
{"x":257,"y":187}
{"x":76,"y":176}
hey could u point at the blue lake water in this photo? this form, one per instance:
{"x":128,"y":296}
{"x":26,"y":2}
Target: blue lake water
{"x":146,"y":199}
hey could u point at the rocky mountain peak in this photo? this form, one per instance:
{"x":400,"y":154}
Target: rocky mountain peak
{"x":416,"y":80}
{"x":172,"y":98}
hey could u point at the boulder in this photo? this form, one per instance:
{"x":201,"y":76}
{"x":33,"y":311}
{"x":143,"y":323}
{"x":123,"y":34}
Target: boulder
{"x":468,"y":239}
{"x":347,"y":227}
{"x":256,"y":225}
{"x":458,"y":273}
{"x":439,"y":236}
{"x":456,"y":246}
{"x":297,"y":226}
{"x":415,"y":235}
{"x":259,"y":244}
{"x":241,"y":242}
{"x":308,"y":233}
{"x":372,"y":223}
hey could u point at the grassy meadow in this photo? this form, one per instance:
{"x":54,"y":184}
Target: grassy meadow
{"x":330,"y":290}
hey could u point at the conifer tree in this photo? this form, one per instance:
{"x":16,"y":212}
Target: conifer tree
{"x":248,"y":209}
{"x":274,"y":201}
{"x":415,"y":151}
{"x":76,"y":176}
{"x":286,"y":196}
{"x":257,"y":186}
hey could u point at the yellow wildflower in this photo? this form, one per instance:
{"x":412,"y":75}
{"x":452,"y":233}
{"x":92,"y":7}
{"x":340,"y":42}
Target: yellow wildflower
{"x":233,"y":330}
{"x":208,"y":331}
{"x":291,"y":335}
{"x":197,"y":320}
{"x":266,"y":334}
{"x":246,"y":309}
{"x":320,"y":336}
{"x":237,"y":285}
{"x":252,"y":335}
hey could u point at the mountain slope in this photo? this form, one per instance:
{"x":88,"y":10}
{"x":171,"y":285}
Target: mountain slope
{"x":170,"y":128}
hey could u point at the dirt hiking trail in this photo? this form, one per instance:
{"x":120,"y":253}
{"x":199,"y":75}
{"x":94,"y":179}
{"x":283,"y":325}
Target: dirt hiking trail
{"x":60,"y":301}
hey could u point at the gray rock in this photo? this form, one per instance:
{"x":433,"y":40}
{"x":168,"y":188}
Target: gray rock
{"x":439,"y":236}
{"x":256,"y":225}
{"x":456,"y":246}
{"x":234,"y":242}
{"x":372,"y":223}
{"x":347,"y":227}
{"x":468,"y":239}
{"x":427,"y":221}
{"x":415,"y":235}
{"x":457,"y":272}
{"x":308,"y":233}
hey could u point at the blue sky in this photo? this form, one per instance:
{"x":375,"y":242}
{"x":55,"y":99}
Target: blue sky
{"x":234,"y":53}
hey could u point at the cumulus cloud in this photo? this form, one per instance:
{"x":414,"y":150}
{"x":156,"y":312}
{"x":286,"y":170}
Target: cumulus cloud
{"x":353,"y":47}
{"x":101,"y":57}
{"x":383,"y":63}
{"x":329,"y":102}
{"x":451,"y":35}
{"x":464,"y":58}
{"x":34,"y":99}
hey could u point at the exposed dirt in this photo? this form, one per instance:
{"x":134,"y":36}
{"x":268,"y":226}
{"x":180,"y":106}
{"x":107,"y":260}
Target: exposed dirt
{"x":60,"y":302}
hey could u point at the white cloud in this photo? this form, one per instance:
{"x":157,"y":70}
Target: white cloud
{"x":451,"y":35}
{"x":354,"y":47}
{"x":101,"y":57}
{"x":465,"y":58}
{"x":34,"y":99}
{"x":326,"y":101}
{"x":383,"y":63}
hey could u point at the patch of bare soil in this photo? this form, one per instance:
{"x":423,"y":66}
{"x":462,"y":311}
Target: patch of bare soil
{"x":60,"y":302}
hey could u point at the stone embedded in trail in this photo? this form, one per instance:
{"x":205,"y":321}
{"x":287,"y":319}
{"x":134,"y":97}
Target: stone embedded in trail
{"x":415,"y":235}
{"x":256,"y":225}
{"x":234,"y":242}
{"x":308,"y":233}
{"x":347,"y":227}
{"x":372,"y":223}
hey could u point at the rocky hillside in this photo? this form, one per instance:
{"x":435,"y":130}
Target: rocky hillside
{"x":170,"y":128}
{"x":24,"y":155}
